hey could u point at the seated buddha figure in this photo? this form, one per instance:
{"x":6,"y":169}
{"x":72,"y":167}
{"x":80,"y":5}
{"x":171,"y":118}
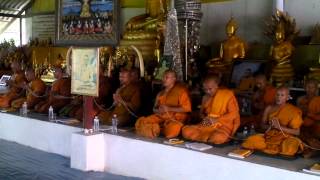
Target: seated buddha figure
{"x":280,"y":53}
{"x":232,"y":48}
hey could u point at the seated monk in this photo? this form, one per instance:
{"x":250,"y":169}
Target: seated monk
{"x":36,"y":90}
{"x":282,"y":122}
{"x":263,"y":96}
{"x":16,"y":84}
{"x":170,"y":110}
{"x":59,"y":95}
{"x":126,"y":102}
{"x":103,"y":100}
{"x":219,"y":113}
{"x":310,"y":106}
{"x":311,"y":88}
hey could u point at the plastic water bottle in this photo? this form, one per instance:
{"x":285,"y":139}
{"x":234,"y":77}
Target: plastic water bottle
{"x":96,"y":126}
{"x":252,"y":130}
{"x":245,"y":132}
{"x":114,"y":124}
{"x":50,"y":113}
{"x":24,"y":108}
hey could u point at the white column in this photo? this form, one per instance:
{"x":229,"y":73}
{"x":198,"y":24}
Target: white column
{"x":279,"y":5}
{"x":88,"y":152}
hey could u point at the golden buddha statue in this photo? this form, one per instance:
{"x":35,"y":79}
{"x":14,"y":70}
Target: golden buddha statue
{"x":85,"y":9}
{"x":155,"y":12}
{"x":282,"y":49}
{"x":143,"y":30}
{"x":232,"y":48}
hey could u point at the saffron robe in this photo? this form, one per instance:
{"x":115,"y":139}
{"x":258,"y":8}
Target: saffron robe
{"x":131,"y":96}
{"x":60,"y":87}
{"x":18,"y":79}
{"x":224,"y":107}
{"x":35,"y":88}
{"x":169,"y":123}
{"x":275,"y":141}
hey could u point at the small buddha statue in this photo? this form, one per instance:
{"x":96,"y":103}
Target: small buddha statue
{"x":282,"y":50}
{"x":232,"y":48}
{"x":161,"y":70}
{"x":282,"y":30}
{"x":85,"y":9}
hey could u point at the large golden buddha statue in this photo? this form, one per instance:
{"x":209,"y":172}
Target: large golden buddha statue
{"x":232,"y":48}
{"x":145,"y":26}
{"x":143,"y":30}
{"x":283,"y":32}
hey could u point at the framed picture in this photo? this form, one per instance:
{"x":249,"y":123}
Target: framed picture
{"x":245,"y":69}
{"x":87,"y":22}
{"x":85,"y":71}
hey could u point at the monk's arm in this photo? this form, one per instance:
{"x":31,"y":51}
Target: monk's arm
{"x":232,"y":112}
{"x":185,"y":104}
{"x":202,"y":108}
{"x":294,"y":125}
{"x":183,"y":107}
{"x":264,"y":123}
{"x":290,"y":130}
{"x":135,"y":101}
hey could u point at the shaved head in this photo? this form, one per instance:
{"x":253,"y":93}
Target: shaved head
{"x":30,"y":74}
{"x":212,"y":77}
{"x":124,"y":76}
{"x":311,"y":87}
{"x":15,"y":66}
{"x":282,"y":95}
{"x":172,"y":72}
{"x":211,"y":84}
{"x":260,"y":81}
{"x":169,"y":78}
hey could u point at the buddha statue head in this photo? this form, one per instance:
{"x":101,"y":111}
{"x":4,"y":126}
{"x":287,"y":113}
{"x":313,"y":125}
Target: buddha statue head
{"x":280,"y":32}
{"x":231,"y":27}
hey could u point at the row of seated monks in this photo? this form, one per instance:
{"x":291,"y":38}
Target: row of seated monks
{"x":284,"y":128}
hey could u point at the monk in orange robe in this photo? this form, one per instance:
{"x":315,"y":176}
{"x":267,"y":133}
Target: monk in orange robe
{"x":310,"y":106}
{"x":282,"y":122}
{"x":126,"y":102}
{"x":219,"y":113}
{"x":60,"y":93}
{"x":311,"y":89}
{"x":16,"y":84}
{"x":36,"y":90}
{"x":261,"y":98}
{"x":170,"y":110}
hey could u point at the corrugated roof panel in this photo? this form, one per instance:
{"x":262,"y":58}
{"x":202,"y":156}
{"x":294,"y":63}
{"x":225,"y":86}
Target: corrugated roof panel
{"x":9,"y":8}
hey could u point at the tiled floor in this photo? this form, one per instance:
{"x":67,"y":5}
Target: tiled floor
{"x":18,"y":162}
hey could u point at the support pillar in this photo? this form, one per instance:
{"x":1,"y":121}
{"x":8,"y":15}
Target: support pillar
{"x":88,"y":152}
{"x":88,"y":112}
{"x":279,"y":5}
